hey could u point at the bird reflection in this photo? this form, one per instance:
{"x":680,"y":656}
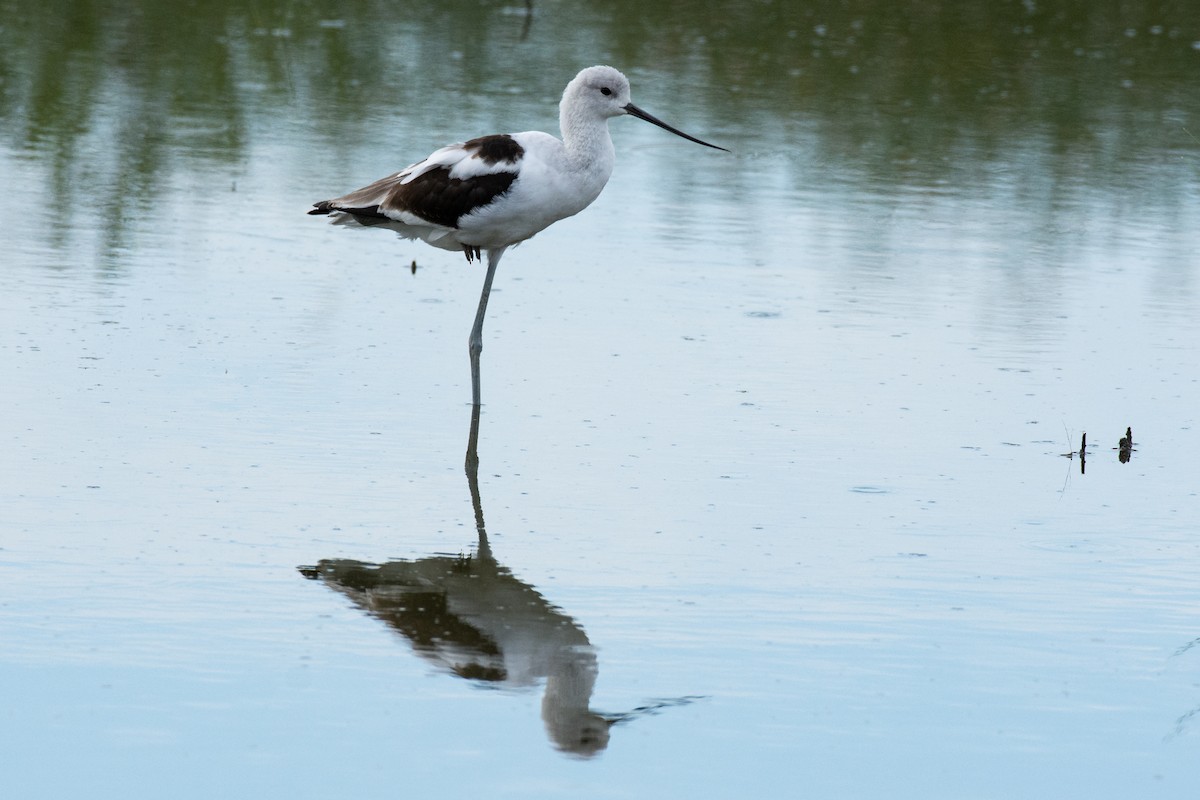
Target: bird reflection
{"x":471,"y":617}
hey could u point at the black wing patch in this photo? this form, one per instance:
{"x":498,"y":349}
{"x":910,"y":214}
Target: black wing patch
{"x":494,"y":149}
{"x":433,"y":195}
{"x":442,"y":200}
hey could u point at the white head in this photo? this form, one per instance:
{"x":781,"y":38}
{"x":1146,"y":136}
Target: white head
{"x":598,"y":91}
{"x":603,"y":92}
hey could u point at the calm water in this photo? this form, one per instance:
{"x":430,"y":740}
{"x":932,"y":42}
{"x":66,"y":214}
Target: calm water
{"x":773,"y":499}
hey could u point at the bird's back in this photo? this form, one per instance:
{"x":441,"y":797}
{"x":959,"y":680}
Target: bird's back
{"x":429,"y":199}
{"x":490,"y":192}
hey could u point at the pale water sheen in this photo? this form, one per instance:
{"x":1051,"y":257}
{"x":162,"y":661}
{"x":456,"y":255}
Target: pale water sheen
{"x":772,"y":460}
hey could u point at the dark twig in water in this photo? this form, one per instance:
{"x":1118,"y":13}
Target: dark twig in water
{"x":1070,"y":456}
{"x":1125,"y":447}
{"x":529,"y":21}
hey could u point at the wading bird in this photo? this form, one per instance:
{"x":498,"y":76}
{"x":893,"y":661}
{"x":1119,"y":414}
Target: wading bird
{"x":490,"y":193}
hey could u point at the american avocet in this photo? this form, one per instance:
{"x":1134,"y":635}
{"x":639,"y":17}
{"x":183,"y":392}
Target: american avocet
{"x":490,"y":193}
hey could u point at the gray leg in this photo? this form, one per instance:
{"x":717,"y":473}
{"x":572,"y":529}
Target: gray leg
{"x":475,"y":343}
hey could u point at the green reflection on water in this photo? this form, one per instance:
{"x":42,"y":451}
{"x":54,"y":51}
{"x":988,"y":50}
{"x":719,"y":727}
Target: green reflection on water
{"x":113,"y":98}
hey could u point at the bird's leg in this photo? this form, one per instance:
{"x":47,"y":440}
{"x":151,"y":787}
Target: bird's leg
{"x":475,"y":343}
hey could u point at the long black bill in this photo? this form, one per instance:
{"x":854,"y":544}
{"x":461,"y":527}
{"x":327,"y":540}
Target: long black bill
{"x":653,"y":120}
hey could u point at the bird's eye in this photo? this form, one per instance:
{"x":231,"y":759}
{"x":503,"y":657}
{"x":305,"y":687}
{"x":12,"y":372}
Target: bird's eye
{"x":604,"y":90}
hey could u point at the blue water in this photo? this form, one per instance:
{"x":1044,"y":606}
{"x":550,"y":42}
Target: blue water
{"x":775,"y":444}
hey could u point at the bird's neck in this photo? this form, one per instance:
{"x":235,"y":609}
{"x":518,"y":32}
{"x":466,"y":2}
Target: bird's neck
{"x":586,"y":139}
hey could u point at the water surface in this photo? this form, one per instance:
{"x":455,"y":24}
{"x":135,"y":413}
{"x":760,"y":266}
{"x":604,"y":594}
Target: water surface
{"x":774,"y":496}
